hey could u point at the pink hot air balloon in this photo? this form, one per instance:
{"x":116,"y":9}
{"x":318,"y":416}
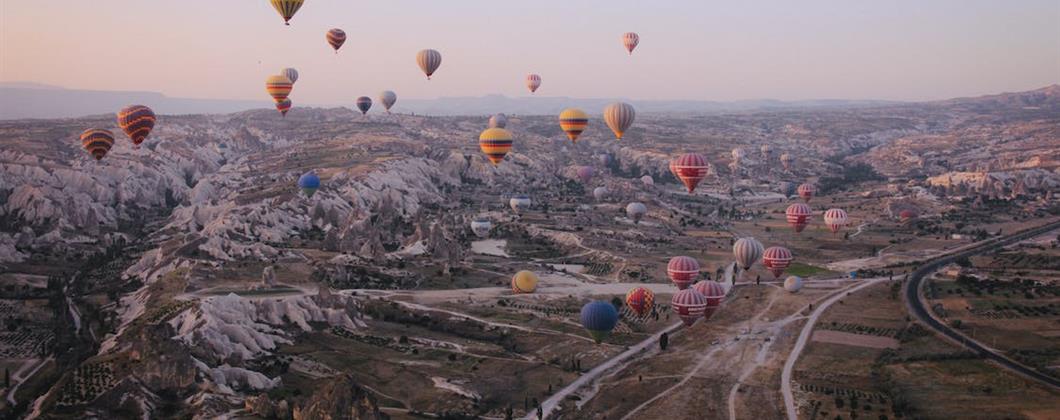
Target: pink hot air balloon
{"x":533,"y":82}
{"x":630,"y":41}
{"x":689,"y":305}
{"x":713,"y":292}
{"x":798,"y":215}
{"x":777,"y":259}
{"x":835,"y":219}
{"x":691,"y":168}
{"x":682,"y":271}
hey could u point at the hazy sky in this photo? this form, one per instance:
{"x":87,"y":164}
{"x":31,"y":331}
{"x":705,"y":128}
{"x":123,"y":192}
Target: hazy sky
{"x":695,"y":49}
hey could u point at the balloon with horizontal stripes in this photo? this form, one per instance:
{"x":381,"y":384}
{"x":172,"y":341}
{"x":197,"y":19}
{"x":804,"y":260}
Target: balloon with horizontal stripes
{"x":533,"y":82}
{"x":714,"y":294}
{"x":481,"y":226}
{"x":835,"y":219}
{"x":798,"y":216}
{"x":689,"y":305}
{"x":691,"y":168}
{"x":97,"y":142}
{"x":336,"y":37}
{"x":619,"y":117}
{"x":630,"y":40}
{"x":520,"y":203}
{"x":136,"y":121}
{"x":786,"y":159}
{"x":388,"y":98}
{"x":806,"y":191}
{"x":573,"y":122}
{"x":747,"y":251}
{"x":287,"y":8}
{"x":284,"y":106}
{"x":278,"y":86}
{"x":683,"y":271}
{"x":777,"y":259}
{"x":495,"y":143}
{"x":429,"y":60}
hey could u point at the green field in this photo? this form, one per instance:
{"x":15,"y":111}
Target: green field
{"x":805,"y":270}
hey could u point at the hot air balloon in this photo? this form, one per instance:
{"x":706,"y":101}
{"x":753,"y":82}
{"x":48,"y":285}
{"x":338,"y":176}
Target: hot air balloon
{"x":767,"y":151}
{"x":747,"y":251}
{"x":714,"y":294}
{"x":689,"y":305}
{"x":498,"y":121}
{"x":287,"y":8}
{"x":309,"y":182}
{"x":630,"y":41}
{"x":429,"y":60}
{"x":793,"y":284}
{"x":278,"y":86}
{"x":737,"y":155}
{"x":798,"y":216}
{"x":97,"y":142}
{"x":524,"y":282}
{"x":495,"y":143}
{"x":648,"y":181}
{"x":691,"y":168}
{"x":907,"y":215}
{"x":683,"y":271}
{"x":336,"y":37}
{"x":519,"y":203}
{"x":291,"y":74}
{"x":573,"y":121}
{"x":599,"y":318}
{"x":619,"y":117}
{"x":788,"y":189}
{"x":777,"y":259}
{"x":481,"y":226}
{"x":640,"y":300}
{"x":388,"y":99}
{"x":284,"y":106}
{"x":604,"y":158}
{"x":533,"y":82}
{"x":806,"y":191}
{"x":364,"y":103}
{"x":786,"y":160}
{"x":835,"y":219}
{"x":636,"y":211}
{"x":586,"y":173}
{"x":136,"y":121}
{"x":600,"y":193}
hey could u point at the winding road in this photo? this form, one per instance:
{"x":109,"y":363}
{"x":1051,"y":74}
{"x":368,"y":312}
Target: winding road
{"x":916,"y":305}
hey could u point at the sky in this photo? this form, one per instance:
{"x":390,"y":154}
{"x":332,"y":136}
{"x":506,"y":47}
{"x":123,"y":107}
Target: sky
{"x":693,"y":50}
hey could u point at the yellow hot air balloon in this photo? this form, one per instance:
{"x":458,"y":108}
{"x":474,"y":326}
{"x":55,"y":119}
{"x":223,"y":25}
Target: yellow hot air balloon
{"x":619,"y":116}
{"x":495,"y":143}
{"x":524,"y":282}
{"x":287,"y":8}
{"x":573,"y":121}
{"x":278,"y":86}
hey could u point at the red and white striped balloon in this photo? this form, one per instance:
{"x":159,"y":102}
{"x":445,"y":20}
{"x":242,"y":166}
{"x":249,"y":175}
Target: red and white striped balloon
{"x":777,"y":259}
{"x":683,"y":271}
{"x":689,"y":305}
{"x":533,"y":82}
{"x":691,"y":168}
{"x":713,"y":292}
{"x":806,"y":191}
{"x":835,"y":219}
{"x":630,"y":41}
{"x":798,"y":215}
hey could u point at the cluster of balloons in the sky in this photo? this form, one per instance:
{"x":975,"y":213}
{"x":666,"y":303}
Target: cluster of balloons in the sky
{"x":693,"y":299}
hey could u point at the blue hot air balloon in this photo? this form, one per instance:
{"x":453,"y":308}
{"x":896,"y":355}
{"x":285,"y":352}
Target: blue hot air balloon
{"x":599,"y":317}
{"x":309,"y":182}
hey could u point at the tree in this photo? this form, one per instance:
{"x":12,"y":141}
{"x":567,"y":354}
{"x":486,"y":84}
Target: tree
{"x":664,"y":340}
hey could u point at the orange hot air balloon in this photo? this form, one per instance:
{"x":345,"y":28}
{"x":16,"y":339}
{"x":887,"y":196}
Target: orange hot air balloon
{"x":640,"y":300}
{"x":278,"y":86}
{"x":573,"y":122}
{"x":495,"y":143}
{"x":97,"y":142}
{"x":284,"y":106}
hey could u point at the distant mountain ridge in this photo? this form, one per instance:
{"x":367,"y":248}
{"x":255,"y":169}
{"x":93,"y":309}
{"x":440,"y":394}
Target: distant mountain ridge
{"x":23,"y":100}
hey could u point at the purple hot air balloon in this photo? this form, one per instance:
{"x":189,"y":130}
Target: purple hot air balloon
{"x":586,"y":173}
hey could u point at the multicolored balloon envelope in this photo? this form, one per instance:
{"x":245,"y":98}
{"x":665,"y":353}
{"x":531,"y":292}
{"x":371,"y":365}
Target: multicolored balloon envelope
{"x":573,"y":122}
{"x":630,"y":40}
{"x":97,"y":142}
{"x":747,"y":251}
{"x":495,"y":143}
{"x":640,"y":300}
{"x":429,"y":61}
{"x":136,"y":121}
{"x":336,"y":37}
{"x":287,"y":8}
